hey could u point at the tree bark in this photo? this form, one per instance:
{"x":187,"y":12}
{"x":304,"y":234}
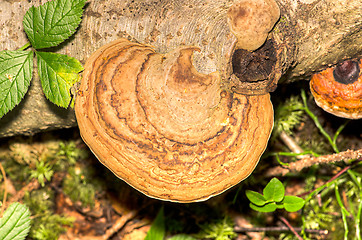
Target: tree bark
{"x":310,"y":36}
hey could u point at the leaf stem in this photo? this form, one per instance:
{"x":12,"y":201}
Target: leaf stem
{"x":343,"y":211}
{"x":358,"y":221}
{"x":285,"y":221}
{"x":24,"y":47}
{"x":339,"y":130}
{"x":317,"y":123}
{"x":325,"y":185}
{"x":295,"y":154}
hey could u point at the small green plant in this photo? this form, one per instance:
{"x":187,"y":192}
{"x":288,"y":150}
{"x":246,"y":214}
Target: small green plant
{"x":79,"y":186}
{"x":70,"y":152}
{"x":46,"y":159}
{"x":273,"y":197}
{"x":46,"y":26}
{"x":50,"y":227}
{"x":327,"y":198}
{"x":221,"y":229}
{"x":347,"y":224}
{"x":42,"y":172}
{"x":46,"y":224}
{"x":15,"y":224}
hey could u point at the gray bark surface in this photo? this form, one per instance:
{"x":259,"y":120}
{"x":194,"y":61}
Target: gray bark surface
{"x":310,"y":35}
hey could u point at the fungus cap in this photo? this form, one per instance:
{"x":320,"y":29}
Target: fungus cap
{"x":338,"y":96}
{"x":165,"y":129}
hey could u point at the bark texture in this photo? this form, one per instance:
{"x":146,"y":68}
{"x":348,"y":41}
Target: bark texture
{"x":310,"y":35}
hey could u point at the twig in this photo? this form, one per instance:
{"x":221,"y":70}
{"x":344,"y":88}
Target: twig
{"x":5,"y":190}
{"x":291,"y":143}
{"x":326,"y":183}
{"x":279,"y":229}
{"x":310,"y":161}
{"x":32,"y":185}
{"x":285,"y":221}
{"x":119,"y":224}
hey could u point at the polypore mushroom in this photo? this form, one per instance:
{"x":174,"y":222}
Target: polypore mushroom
{"x":251,"y":21}
{"x":338,"y":90}
{"x":166,"y":129}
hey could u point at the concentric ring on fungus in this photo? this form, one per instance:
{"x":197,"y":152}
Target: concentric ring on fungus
{"x":342,"y":99}
{"x":165,"y":129}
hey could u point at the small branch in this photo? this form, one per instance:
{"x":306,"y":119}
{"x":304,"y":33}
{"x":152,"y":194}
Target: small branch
{"x":285,"y":221}
{"x":118,"y":225}
{"x":32,"y":185}
{"x":326,"y":183}
{"x":278,"y":229}
{"x":291,"y":143}
{"x":310,"y":161}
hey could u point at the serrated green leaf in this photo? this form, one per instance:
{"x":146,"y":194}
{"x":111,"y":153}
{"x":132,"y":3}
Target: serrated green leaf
{"x":293,"y":203}
{"x":15,"y":223}
{"x":181,"y":237}
{"x":16,"y":68}
{"x":274,"y":191}
{"x":157,"y":230}
{"x":269,"y":207}
{"x":52,"y":23}
{"x":256,"y":198}
{"x":57,"y":74}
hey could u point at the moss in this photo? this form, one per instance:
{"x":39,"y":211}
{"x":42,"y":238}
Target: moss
{"x":27,"y":158}
{"x":46,"y":225}
{"x":288,"y":115}
{"x":80,"y":185}
{"x":221,"y":229}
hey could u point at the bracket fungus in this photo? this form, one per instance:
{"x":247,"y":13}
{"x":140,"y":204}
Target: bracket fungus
{"x":338,"y":90}
{"x":166,"y":129}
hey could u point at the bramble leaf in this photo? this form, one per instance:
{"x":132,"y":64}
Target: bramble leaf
{"x":16,"y":68}
{"x":57,"y":74}
{"x":274,"y":190}
{"x":269,"y":207}
{"x":52,"y":23}
{"x":293,"y":203}
{"x":256,"y":198}
{"x":157,"y":230}
{"x":15,"y":224}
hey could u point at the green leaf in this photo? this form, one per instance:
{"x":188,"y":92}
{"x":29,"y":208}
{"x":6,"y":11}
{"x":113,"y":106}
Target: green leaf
{"x":52,"y":23}
{"x":57,"y":74}
{"x":15,"y":223}
{"x":269,"y":207}
{"x":16,"y":68}
{"x":256,"y":198}
{"x":181,"y":237}
{"x":274,"y":190}
{"x":293,"y":203}
{"x":157,"y":230}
